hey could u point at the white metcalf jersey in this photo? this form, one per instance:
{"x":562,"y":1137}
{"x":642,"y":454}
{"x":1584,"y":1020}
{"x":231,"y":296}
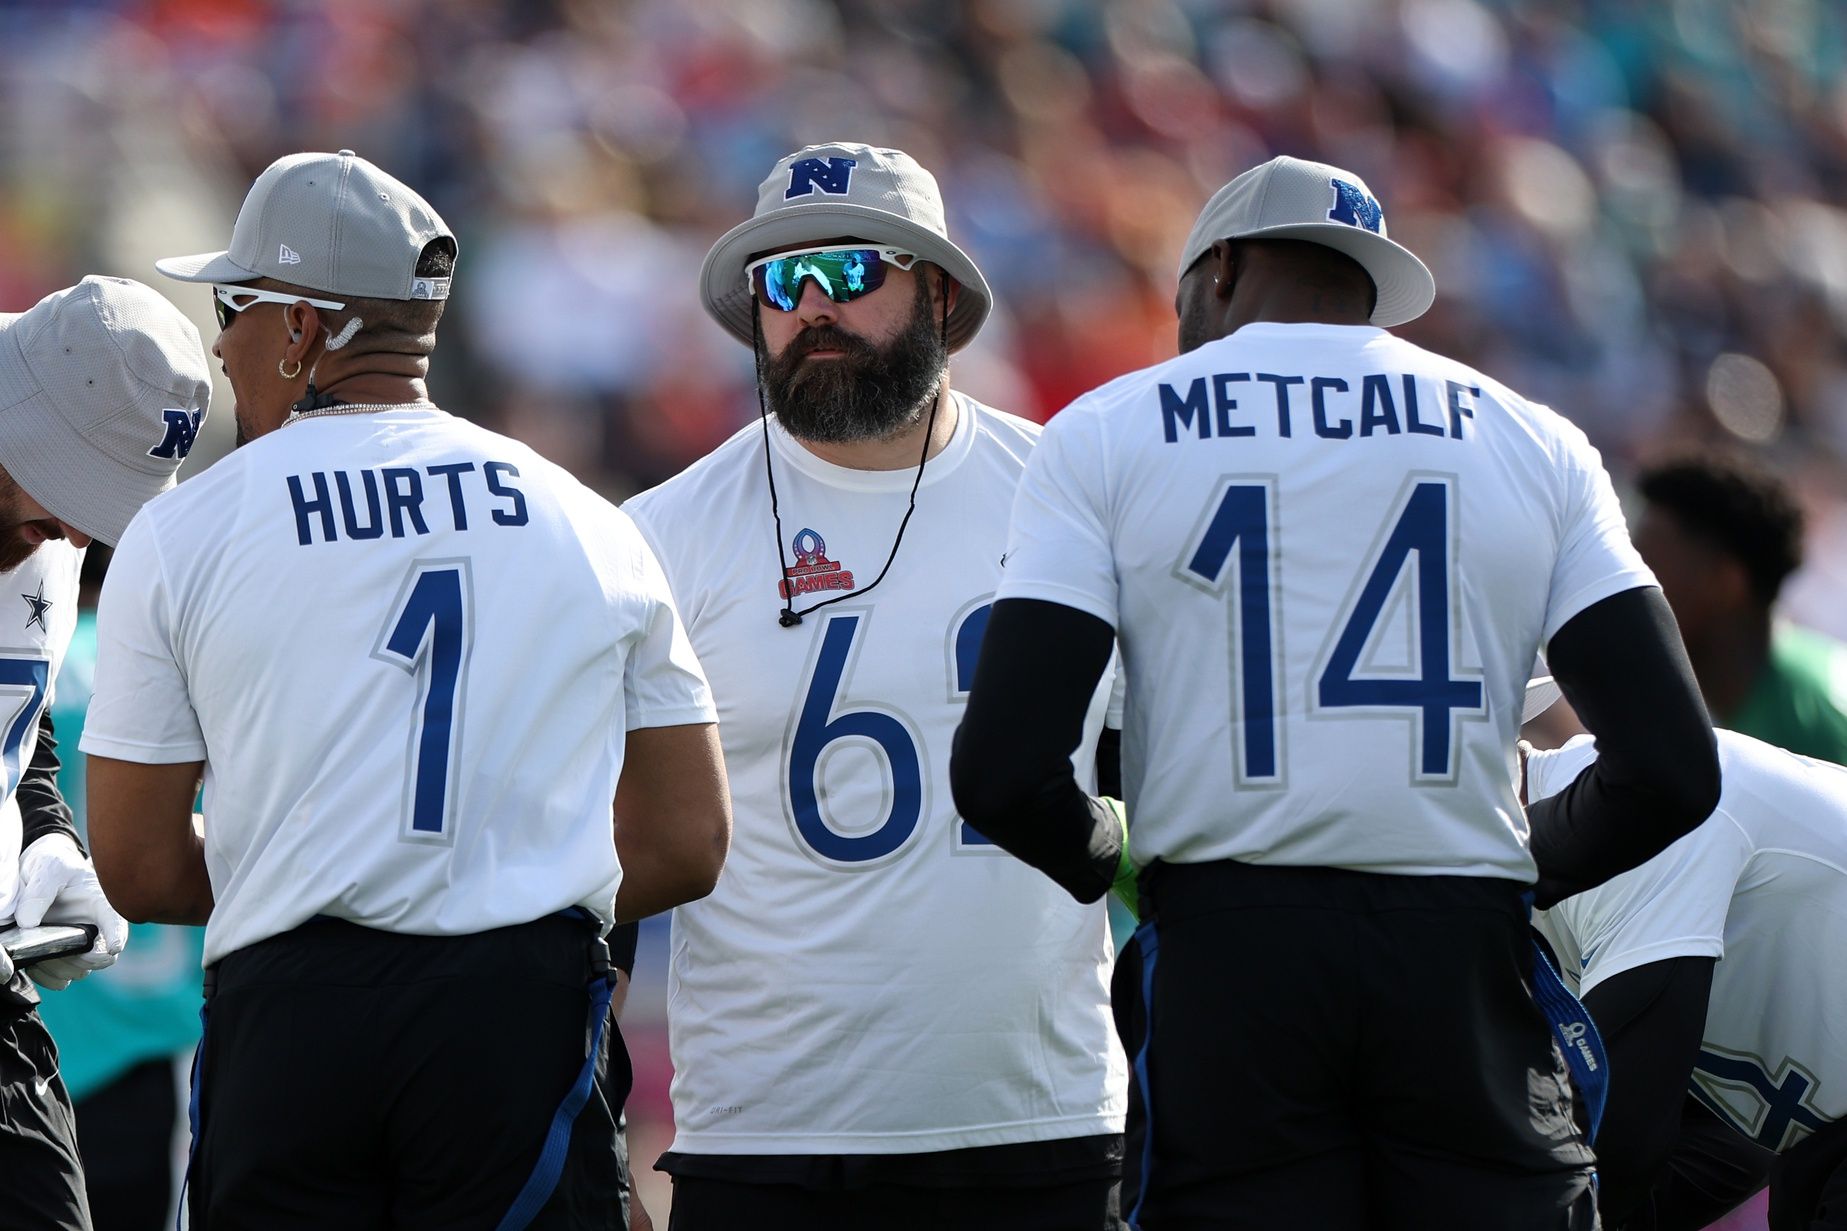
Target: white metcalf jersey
{"x":408,"y":650}
{"x":1330,"y":557}
{"x":38,"y":613}
{"x":871,"y":976}
{"x":1761,"y":885}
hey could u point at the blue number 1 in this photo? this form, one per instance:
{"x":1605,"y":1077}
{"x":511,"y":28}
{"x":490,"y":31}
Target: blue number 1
{"x":1242,"y":520}
{"x":428,"y":635}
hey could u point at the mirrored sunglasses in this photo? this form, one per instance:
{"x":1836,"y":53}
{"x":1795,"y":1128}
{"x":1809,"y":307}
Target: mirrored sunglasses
{"x":225,"y":301}
{"x":844,"y":272}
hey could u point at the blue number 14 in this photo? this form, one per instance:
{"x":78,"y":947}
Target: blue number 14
{"x":429,"y":636}
{"x":1243,"y":521}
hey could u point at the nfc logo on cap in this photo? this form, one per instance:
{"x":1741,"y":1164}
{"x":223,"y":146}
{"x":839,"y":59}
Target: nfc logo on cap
{"x":182,"y":430}
{"x":1353,"y":207}
{"x":810,"y":174}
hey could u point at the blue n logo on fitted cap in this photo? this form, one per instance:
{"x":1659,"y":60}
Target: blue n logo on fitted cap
{"x":830,"y":175}
{"x":1353,"y":207}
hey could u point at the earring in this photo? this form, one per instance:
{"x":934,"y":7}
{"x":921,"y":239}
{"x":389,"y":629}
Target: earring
{"x":284,"y":373}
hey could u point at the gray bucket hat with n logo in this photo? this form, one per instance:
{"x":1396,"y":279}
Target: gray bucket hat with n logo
{"x":103,"y":389}
{"x":843,"y":191}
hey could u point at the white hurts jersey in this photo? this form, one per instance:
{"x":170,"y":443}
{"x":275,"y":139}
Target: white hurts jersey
{"x":870,"y":976}
{"x":38,"y":613}
{"x":408,"y":651}
{"x":1761,"y":886}
{"x":1329,"y":557}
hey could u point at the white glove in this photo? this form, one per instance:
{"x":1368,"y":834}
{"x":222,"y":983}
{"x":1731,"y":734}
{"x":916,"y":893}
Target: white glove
{"x":57,"y":884}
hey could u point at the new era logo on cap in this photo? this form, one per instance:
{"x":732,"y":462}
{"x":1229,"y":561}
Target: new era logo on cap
{"x":832,"y":176}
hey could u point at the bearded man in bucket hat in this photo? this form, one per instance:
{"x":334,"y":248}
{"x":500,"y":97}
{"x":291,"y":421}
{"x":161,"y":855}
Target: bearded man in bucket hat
{"x":1331,"y":557}
{"x":876,"y":1019}
{"x":103,"y":387}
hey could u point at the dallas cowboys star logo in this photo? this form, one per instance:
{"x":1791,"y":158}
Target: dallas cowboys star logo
{"x":38,"y":605}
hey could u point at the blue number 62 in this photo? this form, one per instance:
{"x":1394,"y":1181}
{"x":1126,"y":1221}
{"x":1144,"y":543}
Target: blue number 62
{"x":820,"y":724}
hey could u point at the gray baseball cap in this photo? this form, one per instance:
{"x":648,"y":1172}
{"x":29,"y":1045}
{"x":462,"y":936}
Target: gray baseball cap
{"x":837,"y":190}
{"x":1291,"y":198}
{"x":103,"y":387}
{"x":329,"y":222}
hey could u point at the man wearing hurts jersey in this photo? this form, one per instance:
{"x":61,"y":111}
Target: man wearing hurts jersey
{"x":878,"y":1019}
{"x":416,"y":663}
{"x":1330,"y":557}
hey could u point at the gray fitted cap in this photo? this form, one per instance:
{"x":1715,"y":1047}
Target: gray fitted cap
{"x":103,"y":387}
{"x":843,"y":190}
{"x":329,"y":222}
{"x":1290,"y":198}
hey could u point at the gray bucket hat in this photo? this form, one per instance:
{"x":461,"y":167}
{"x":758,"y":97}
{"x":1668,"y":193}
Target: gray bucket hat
{"x":843,"y":190}
{"x":1291,"y":198}
{"x":103,"y":388}
{"x":328,"y":222}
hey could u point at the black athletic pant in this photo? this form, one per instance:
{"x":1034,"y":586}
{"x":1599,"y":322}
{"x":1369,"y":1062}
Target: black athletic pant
{"x":126,"y":1132}
{"x":360,"y":1079}
{"x":1066,"y":1184}
{"x":41,"y":1179}
{"x":708,"y":1205}
{"x":1340,"y":1050}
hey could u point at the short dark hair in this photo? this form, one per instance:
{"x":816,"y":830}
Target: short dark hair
{"x":1735,"y":505}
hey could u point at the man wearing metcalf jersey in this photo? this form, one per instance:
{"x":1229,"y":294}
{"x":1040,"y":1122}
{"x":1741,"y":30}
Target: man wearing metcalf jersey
{"x":416,"y":663}
{"x":1330,"y":557}
{"x":878,"y":1019}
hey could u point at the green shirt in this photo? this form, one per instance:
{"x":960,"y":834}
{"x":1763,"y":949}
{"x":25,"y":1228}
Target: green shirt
{"x":1799,"y":702}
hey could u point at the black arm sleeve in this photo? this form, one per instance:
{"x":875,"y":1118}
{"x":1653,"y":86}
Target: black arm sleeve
{"x":1651,"y":1019}
{"x":41,"y":803}
{"x":1011,"y":766}
{"x":621,"y":941}
{"x":1621,"y":665}
{"x":1109,"y":763}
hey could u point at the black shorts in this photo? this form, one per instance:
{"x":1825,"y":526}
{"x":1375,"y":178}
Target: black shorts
{"x":1067,"y":1184}
{"x":41,"y":1179}
{"x":361,"y":1079}
{"x":1333,"y":1049}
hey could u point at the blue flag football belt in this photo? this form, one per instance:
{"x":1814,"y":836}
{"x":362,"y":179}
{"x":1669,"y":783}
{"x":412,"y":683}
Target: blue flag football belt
{"x":1576,"y":1033}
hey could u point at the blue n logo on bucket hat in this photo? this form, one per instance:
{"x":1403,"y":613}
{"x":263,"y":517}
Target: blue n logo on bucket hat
{"x":832,"y":176}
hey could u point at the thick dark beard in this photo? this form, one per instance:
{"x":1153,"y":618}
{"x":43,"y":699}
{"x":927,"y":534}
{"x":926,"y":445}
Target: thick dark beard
{"x":869,"y":393}
{"x":14,"y":550}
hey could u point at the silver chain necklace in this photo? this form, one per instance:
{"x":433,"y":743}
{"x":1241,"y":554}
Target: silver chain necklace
{"x":357,"y":408}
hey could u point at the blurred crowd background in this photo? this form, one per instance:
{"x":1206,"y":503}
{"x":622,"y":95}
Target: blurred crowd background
{"x":1633,"y":208}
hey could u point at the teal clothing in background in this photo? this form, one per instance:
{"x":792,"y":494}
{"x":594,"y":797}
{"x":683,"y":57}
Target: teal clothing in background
{"x":146,"y":1005}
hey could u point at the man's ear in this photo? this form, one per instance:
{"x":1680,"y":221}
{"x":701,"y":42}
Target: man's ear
{"x":1730,"y":582}
{"x":1224,"y":265}
{"x":304,"y":325}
